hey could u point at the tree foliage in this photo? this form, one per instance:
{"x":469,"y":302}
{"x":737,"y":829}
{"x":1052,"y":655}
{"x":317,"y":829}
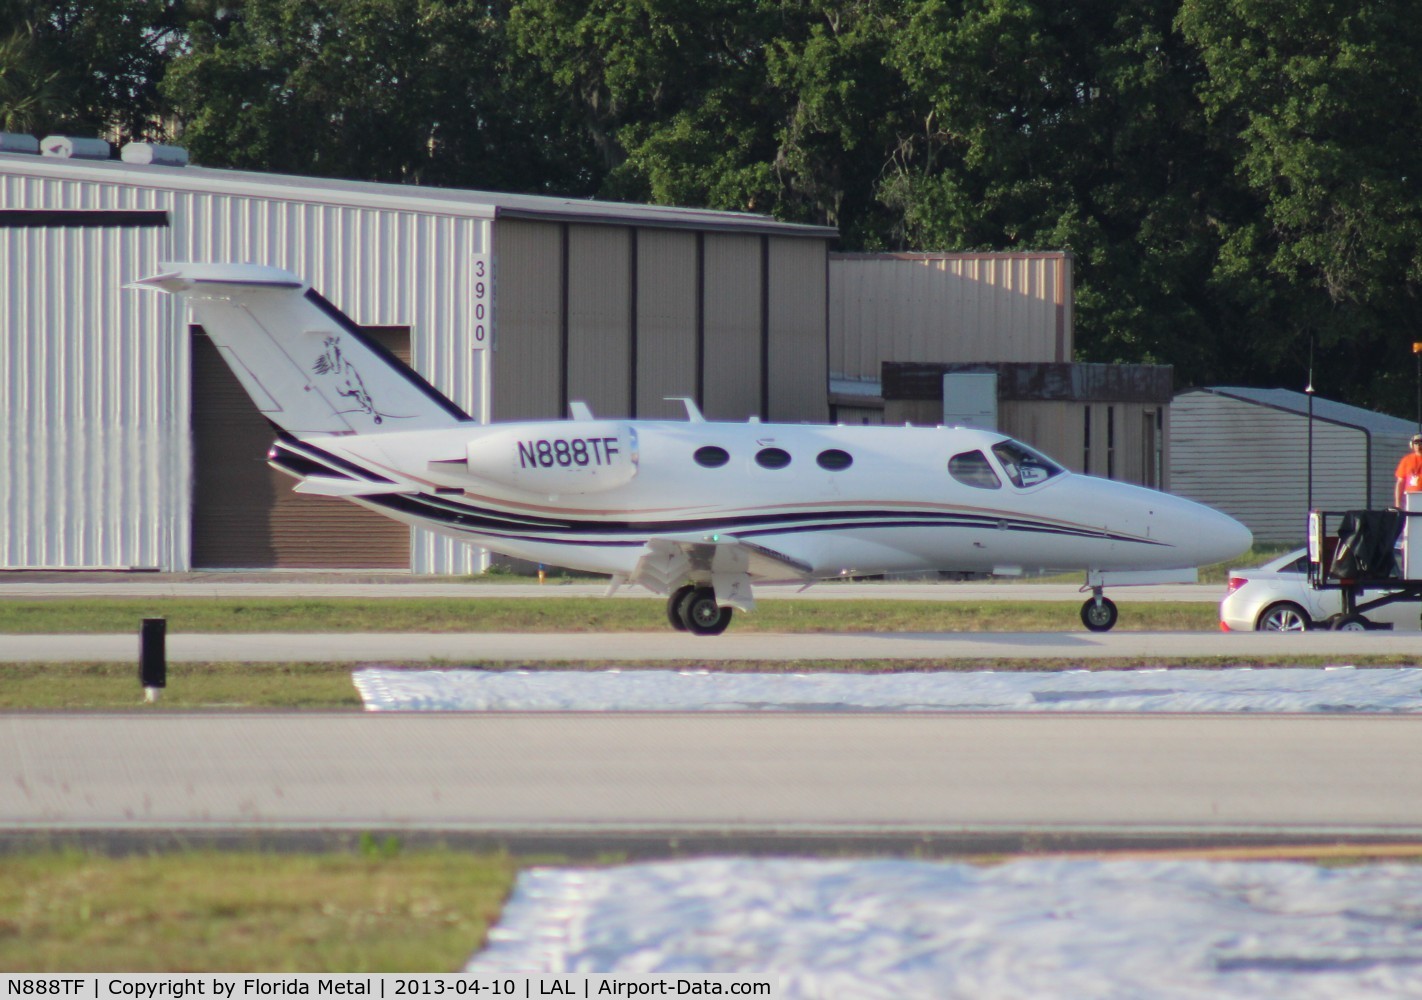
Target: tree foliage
{"x":85,"y":67}
{"x":387,"y":90}
{"x":1235,"y":178}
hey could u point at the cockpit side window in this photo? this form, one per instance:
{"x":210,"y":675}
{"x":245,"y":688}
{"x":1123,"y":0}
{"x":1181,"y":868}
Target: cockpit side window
{"x":972,"y":468}
{"x":1024,"y":466}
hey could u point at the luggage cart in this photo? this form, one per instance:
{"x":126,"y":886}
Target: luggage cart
{"x":1366,"y":556}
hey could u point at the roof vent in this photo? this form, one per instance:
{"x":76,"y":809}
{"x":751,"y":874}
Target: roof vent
{"x":72,"y":148}
{"x":154,"y":153}
{"x":18,"y":142}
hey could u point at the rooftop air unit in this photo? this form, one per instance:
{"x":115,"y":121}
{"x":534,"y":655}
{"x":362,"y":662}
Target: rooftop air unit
{"x":72,"y":148}
{"x":155,"y":154}
{"x":18,"y":142}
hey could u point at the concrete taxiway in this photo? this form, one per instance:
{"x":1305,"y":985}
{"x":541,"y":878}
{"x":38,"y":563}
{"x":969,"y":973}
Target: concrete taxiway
{"x":594,"y":775}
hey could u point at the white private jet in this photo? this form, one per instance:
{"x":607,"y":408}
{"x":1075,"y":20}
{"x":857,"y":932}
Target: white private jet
{"x":695,"y":510}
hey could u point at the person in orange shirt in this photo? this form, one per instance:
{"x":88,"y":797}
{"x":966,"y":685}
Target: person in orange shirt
{"x":1409,"y":472}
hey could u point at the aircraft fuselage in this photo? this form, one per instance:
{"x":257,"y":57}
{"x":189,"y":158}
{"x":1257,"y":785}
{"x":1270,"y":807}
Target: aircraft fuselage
{"x":589,"y":494}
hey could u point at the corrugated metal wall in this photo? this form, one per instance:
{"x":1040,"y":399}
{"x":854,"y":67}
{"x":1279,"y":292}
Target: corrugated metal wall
{"x":93,"y":439}
{"x":382,"y":267}
{"x":947,"y":307}
{"x":734,"y":321}
{"x":600,"y":332}
{"x":668,"y":358}
{"x":797,"y":331}
{"x":528,"y":304}
{"x":1251,"y":462}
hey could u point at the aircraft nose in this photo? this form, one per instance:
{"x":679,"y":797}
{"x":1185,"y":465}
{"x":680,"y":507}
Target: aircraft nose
{"x":1219,"y":536}
{"x":1202,"y":535}
{"x":1192,"y":534}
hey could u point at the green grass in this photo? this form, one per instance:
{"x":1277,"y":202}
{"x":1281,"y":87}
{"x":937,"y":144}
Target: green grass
{"x":377,"y":910}
{"x":64,"y":686}
{"x":328,"y":686}
{"x":570,"y":614}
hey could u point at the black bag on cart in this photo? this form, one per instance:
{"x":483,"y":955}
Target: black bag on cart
{"x":1365,"y":545}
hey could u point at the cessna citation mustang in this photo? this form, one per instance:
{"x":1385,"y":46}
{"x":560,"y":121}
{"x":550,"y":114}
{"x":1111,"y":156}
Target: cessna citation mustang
{"x":696,"y":510}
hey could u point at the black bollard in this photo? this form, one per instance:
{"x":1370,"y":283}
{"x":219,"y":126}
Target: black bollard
{"x":153,"y":657}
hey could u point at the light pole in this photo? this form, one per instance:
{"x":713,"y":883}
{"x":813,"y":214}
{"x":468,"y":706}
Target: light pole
{"x":1308,"y":391}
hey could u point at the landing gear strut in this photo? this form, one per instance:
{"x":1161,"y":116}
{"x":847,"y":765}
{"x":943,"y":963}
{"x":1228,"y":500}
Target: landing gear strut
{"x":694,"y":609}
{"x":1099,"y":613}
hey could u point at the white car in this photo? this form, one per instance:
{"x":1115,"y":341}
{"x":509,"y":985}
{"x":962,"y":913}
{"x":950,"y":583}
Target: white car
{"x":1276,"y":597}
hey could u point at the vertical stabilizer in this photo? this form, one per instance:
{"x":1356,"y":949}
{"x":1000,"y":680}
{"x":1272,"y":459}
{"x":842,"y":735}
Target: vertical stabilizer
{"x":309,"y":369}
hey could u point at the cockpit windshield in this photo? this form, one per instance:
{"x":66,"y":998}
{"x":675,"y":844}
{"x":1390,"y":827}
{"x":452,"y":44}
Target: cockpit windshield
{"x":1024,"y":466}
{"x":971,"y":468}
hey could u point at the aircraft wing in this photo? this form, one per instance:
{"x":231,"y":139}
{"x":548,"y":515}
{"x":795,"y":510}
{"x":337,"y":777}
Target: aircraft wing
{"x":732,"y":563}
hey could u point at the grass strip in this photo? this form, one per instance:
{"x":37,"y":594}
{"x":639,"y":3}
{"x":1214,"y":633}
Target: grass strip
{"x":569,"y":614}
{"x":378,"y":909}
{"x":375,"y":909}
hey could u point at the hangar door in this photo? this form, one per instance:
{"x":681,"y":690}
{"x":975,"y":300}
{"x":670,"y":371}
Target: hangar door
{"x":245,"y":515}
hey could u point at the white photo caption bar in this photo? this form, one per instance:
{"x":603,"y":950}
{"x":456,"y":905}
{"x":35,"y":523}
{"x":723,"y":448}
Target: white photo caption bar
{"x":384,"y":986}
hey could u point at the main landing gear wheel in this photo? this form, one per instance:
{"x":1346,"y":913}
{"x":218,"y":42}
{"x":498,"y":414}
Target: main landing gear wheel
{"x":1099,"y":614}
{"x":701,"y":614}
{"x":674,"y":607}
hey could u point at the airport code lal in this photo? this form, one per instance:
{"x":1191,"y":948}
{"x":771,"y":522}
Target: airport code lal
{"x":163,"y":986}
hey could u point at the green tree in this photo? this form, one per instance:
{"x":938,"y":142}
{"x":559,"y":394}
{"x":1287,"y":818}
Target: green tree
{"x":86,"y":67}
{"x":1044,"y":126}
{"x":31,"y":95}
{"x":1319,"y":106}
{"x":750,"y":105}
{"x":389,"y":90}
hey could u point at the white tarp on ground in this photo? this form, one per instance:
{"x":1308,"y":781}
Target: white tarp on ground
{"x":1040,"y":929}
{"x":1327,"y":689}
{"x":880,"y":929}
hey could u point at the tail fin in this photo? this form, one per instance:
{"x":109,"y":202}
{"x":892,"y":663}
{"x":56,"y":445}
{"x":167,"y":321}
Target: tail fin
{"x":309,"y":369}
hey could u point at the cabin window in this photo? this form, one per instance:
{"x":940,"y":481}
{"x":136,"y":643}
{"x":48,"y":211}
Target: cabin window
{"x":834,"y":460}
{"x":972,"y":468}
{"x":772,"y":458}
{"x":1024,"y":466}
{"x":711,"y":456}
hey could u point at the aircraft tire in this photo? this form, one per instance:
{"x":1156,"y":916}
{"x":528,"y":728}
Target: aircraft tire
{"x":702,"y":615}
{"x":674,"y":607}
{"x":1099,"y":617}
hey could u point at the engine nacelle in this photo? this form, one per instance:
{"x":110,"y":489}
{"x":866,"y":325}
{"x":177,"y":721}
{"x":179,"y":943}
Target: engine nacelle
{"x":563,"y":456}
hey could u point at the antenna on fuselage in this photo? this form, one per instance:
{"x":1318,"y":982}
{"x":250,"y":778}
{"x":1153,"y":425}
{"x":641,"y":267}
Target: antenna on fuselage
{"x":693,"y":412}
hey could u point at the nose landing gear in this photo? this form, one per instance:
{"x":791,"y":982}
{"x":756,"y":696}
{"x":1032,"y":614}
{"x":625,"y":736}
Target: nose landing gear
{"x":1098,"y":613}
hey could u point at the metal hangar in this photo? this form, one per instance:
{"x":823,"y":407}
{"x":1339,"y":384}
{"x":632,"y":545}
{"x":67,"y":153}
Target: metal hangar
{"x":124,"y":443}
